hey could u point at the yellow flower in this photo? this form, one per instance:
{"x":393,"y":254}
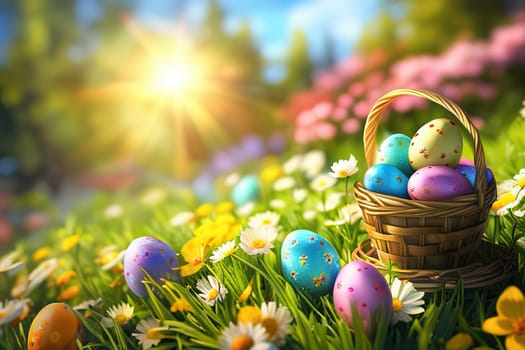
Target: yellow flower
{"x":181,"y":305}
{"x":246,"y":293}
{"x":510,"y":320}
{"x":504,"y":200}
{"x":272,"y":173}
{"x":65,"y":277}
{"x":70,"y":242}
{"x":204,"y":209}
{"x":224,"y":207}
{"x":69,"y":293}
{"x":194,"y":252}
{"x":249,"y":314}
{"x":41,"y":253}
{"x":461,"y":341}
{"x":521,"y":182}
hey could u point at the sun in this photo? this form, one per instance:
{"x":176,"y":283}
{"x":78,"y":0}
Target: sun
{"x":171,"y":99}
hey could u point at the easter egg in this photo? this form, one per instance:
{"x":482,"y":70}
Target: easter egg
{"x":394,"y":151}
{"x":469,"y":172}
{"x":246,"y":190}
{"x":465,"y":161}
{"x":309,"y":262}
{"x":386,"y":179}
{"x":438,"y":142}
{"x":150,"y":255}
{"x":360,"y":287}
{"x":55,"y":327}
{"x":437,"y":182}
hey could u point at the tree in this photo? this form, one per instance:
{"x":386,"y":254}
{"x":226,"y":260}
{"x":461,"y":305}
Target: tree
{"x":430,"y":26}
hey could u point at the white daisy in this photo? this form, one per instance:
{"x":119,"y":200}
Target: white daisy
{"x":149,"y":333}
{"x":154,"y":196}
{"x":87,"y":304}
{"x":211,"y":290}
{"x":9,"y":264}
{"x":322,"y":182}
{"x":244,"y":336}
{"x":284,"y":183}
{"x":344,"y":168}
{"x":266,"y":219}
{"x":120,"y":314}
{"x":113,"y":211}
{"x":19,"y":288}
{"x":226,"y":249}
{"x":350,"y":213}
{"x":313,"y":162}
{"x":181,"y":218}
{"x":258,"y":241}
{"x":406,"y":301}
{"x":232,"y":179}
{"x":246,"y":209}
{"x":277,"y":204}
{"x":332,"y":202}
{"x":292,"y":164}
{"x":309,"y":215}
{"x":11,"y":310}
{"x":518,"y":196}
{"x":299,"y":194}
{"x":40,"y":273}
{"x":276,"y":321}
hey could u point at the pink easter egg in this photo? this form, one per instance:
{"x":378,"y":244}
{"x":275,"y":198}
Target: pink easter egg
{"x":360,"y":287}
{"x":437,"y":182}
{"x":465,"y":161}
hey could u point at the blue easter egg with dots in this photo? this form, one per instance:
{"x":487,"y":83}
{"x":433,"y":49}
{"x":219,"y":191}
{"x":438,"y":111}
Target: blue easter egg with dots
{"x":309,"y":262}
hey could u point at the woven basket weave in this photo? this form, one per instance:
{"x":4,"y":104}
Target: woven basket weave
{"x":417,"y":234}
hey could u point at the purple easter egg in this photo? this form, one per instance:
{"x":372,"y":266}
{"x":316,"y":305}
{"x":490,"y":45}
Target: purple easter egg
{"x":437,"y":182}
{"x":361,"y":287}
{"x":152,"y":256}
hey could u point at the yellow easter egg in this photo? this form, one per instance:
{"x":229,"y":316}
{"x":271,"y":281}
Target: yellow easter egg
{"x":438,"y":142}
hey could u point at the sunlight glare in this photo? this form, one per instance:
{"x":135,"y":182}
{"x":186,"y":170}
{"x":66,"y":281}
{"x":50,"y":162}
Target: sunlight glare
{"x":172,"y":79}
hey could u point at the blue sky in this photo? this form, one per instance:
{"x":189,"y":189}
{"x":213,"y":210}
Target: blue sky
{"x":272,"y":21}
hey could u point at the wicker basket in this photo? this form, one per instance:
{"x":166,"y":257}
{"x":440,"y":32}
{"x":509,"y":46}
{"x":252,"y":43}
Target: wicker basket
{"x":417,"y":234}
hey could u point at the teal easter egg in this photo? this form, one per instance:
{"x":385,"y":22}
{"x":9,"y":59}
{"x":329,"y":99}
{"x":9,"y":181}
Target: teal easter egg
{"x":309,"y":262}
{"x":246,"y":190}
{"x":386,"y":179}
{"x":394,"y":151}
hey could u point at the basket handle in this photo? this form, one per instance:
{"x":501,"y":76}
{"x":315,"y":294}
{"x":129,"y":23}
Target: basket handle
{"x":374,"y":116}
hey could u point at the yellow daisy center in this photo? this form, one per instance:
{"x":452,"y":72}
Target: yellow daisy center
{"x":267,"y":222}
{"x":2,"y":314}
{"x":397,"y":304}
{"x":153,"y":334}
{"x":342,"y":173}
{"x":519,"y":326}
{"x":521,"y":182}
{"x":121,"y":319}
{"x":242,"y":342}
{"x":212,"y":294}
{"x":258,"y":243}
{"x":271,"y":326}
{"x":321,"y":183}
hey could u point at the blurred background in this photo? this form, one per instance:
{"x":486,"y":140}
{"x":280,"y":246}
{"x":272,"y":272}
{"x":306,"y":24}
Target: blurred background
{"x":106,"y":94}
